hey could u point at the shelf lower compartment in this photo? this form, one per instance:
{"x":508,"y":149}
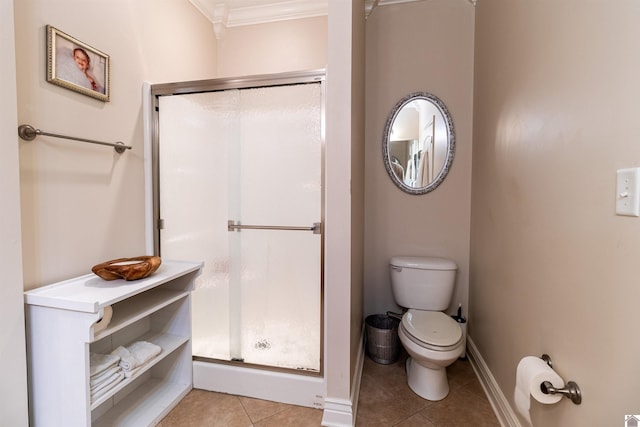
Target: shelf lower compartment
{"x":138,"y":307}
{"x":169,"y":343}
{"x":153,"y":400}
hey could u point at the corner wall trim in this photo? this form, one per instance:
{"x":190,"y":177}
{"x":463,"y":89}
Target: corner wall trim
{"x":341,"y":412}
{"x":147,"y":105}
{"x":338,"y":413}
{"x":505,"y":414}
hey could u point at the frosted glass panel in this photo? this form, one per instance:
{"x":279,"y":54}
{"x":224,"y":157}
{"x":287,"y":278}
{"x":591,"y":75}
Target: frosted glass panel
{"x":280,"y":317}
{"x":281,"y":299}
{"x":253,"y":156}
{"x":196,"y":132}
{"x":281,"y":155}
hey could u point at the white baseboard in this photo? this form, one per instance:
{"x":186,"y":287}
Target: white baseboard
{"x":505,"y":414}
{"x":338,"y":413}
{"x":341,"y":412}
{"x":357,"y":376}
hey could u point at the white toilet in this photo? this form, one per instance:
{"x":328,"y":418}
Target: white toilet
{"x":424,"y":286}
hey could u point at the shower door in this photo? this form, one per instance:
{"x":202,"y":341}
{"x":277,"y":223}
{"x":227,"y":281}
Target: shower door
{"x":240,"y":187}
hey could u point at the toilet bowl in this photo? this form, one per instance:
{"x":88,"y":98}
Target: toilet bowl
{"x":434,"y":340}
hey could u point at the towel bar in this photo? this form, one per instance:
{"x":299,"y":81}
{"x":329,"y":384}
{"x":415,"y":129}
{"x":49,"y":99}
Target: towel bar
{"x":29,"y":133}
{"x":232,"y":226}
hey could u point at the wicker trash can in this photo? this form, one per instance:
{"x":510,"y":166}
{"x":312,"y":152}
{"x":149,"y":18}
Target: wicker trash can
{"x":383,"y":344}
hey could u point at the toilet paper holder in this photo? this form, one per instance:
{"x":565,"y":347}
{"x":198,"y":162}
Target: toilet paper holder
{"x":571,"y":390}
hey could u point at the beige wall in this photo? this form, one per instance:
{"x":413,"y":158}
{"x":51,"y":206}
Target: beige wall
{"x":83,"y":204}
{"x":13,"y":388}
{"x":554,"y":270}
{"x":423,"y":46}
{"x":277,"y":47}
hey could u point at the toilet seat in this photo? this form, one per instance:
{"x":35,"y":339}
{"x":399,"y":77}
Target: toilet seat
{"x":431,"y":329}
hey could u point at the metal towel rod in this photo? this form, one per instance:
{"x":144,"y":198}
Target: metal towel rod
{"x":232,"y":226}
{"x":29,"y":133}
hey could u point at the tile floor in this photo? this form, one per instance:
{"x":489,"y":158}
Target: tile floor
{"x":385,"y":401}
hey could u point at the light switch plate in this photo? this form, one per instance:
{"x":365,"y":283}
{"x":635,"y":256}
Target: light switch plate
{"x":628,"y":192}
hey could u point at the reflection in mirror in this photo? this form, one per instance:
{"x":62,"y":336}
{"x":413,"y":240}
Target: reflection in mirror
{"x":419,"y":143}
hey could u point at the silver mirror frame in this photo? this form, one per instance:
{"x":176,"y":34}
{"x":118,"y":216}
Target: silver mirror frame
{"x":386,"y":158}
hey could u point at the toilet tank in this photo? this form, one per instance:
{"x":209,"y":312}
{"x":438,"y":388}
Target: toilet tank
{"x":423,"y":283}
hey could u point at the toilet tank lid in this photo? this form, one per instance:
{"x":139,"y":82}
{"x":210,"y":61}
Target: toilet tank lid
{"x":423,"y":262}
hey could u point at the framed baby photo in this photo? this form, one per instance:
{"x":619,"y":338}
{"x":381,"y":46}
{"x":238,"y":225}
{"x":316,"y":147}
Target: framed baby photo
{"x":77,"y":66}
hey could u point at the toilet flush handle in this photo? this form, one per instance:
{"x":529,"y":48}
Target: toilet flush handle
{"x":394,"y":268}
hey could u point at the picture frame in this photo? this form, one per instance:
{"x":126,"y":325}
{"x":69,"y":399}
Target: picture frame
{"x":77,"y":66}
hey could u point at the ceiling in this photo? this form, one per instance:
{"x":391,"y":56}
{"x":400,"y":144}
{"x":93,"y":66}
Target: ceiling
{"x":233,"y":13}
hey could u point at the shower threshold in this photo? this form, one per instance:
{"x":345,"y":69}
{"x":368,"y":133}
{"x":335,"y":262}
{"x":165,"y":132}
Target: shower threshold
{"x":290,"y":386}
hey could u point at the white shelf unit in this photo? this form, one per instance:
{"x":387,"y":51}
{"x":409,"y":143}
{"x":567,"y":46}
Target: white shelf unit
{"x":60,"y":336}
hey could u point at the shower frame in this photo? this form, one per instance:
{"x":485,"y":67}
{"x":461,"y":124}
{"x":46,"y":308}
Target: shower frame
{"x":213,"y":85}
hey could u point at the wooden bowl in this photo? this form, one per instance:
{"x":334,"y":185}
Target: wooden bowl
{"x":127,"y":268}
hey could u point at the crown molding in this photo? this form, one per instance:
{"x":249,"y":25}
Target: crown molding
{"x":225,"y":14}
{"x":234,"y":13}
{"x":278,"y":11}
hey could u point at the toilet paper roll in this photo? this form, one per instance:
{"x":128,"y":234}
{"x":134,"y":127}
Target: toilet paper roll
{"x":531,"y":372}
{"x":104,"y":321}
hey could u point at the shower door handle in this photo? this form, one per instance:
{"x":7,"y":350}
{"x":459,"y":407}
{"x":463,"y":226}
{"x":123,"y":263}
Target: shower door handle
{"x":232,"y":226}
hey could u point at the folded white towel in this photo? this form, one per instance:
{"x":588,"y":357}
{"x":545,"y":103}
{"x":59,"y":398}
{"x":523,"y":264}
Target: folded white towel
{"x":132,"y":372}
{"x":104,"y":321}
{"x":116,"y":377}
{"x":136,"y":355}
{"x":127,"y":361}
{"x":96,"y":394}
{"x":99,"y":363}
{"x":144,"y":351}
{"x":100,"y":378}
{"x":129,"y":374}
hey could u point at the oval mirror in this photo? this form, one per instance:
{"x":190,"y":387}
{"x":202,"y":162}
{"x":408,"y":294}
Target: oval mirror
{"x":418,"y":143}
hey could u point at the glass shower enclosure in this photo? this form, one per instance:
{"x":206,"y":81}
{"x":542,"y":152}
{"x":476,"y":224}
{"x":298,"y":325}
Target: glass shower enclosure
{"x":239,"y":172}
